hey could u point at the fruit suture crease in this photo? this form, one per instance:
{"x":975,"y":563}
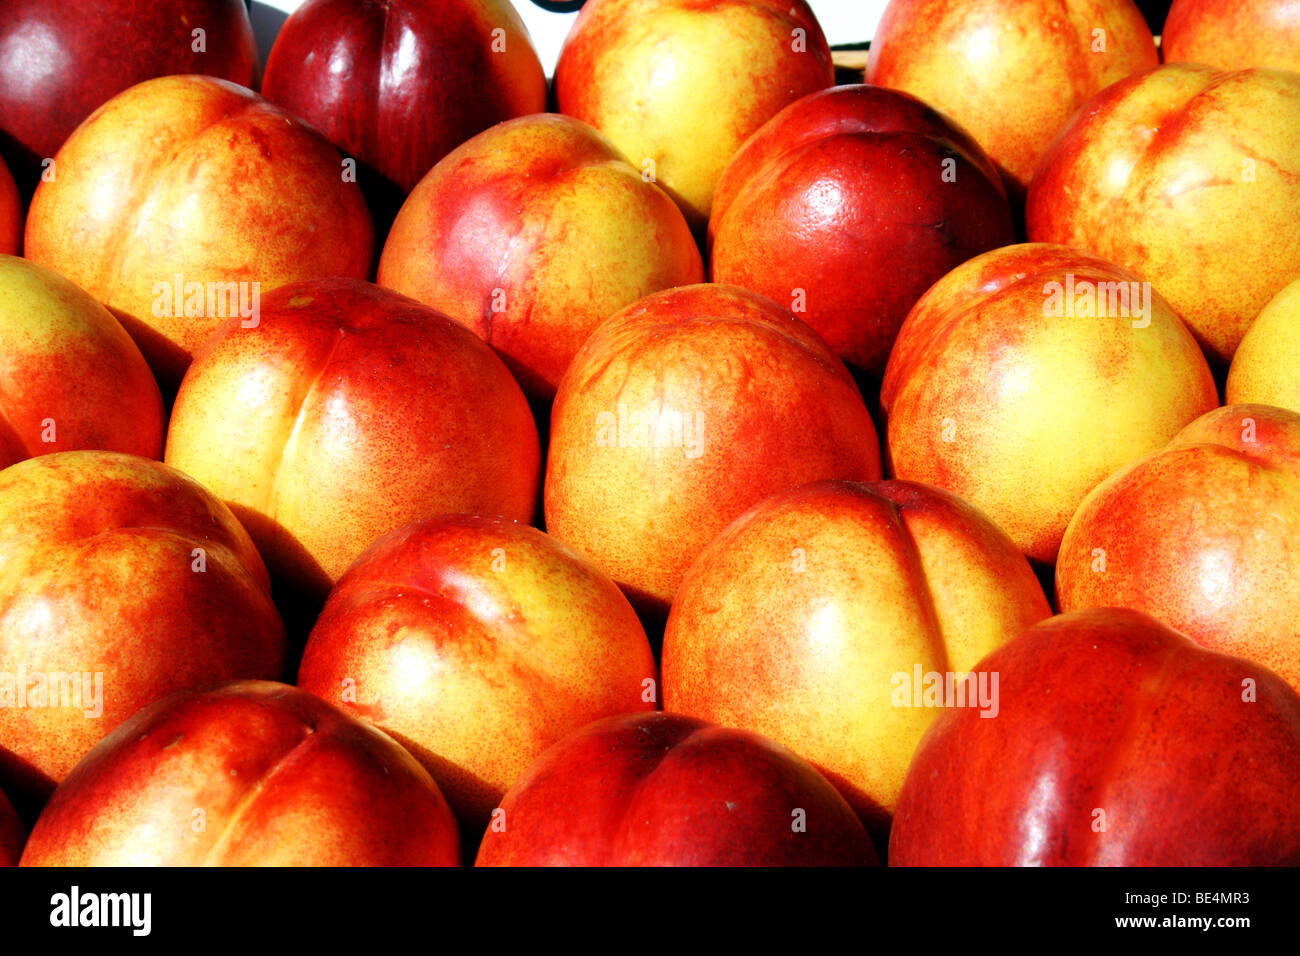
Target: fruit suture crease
{"x":873,"y":534}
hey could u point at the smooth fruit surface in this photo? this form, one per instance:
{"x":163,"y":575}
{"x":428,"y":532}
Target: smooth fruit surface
{"x":121,"y":580}
{"x":810,"y":617}
{"x":70,"y":376}
{"x":679,"y":85}
{"x":400,"y":83}
{"x":1029,"y":374}
{"x":186,"y":197}
{"x":849,"y":204}
{"x":11,"y":213}
{"x":60,"y":61}
{"x":1119,"y":742}
{"x":1266,"y":366}
{"x":250,"y":773}
{"x":667,"y":790}
{"x":478,"y":642}
{"x":1232,"y":35}
{"x":347,"y":412}
{"x":1011,"y":73}
{"x":1155,"y":174}
{"x":532,"y":234}
{"x":1203,"y":535}
{"x":682,"y":411}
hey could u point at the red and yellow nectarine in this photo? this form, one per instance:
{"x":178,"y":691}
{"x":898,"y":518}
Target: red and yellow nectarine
{"x":347,"y":412}
{"x":681,"y":412}
{"x":250,"y":773}
{"x":478,"y":642}
{"x":1118,"y":743}
{"x":669,"y":790}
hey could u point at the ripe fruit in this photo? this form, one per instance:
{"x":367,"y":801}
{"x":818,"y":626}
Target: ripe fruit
{"x":185,"y":200}
{"x":1119,"y":742}
{"x":70,"y":376}
{"x":1266,"y":366}
{"x":1232,"y":35}
{"x":1202,"y":535}
{"x":1027,"y":375}
{"x":668,"y":790}
{"x":12,"y":834}
{"x":682,"y":411}
{"x":804,"y":618}
{"x":679,"y":85}
{"x":478,"y":642}
{"x":11,"y":214}
{"x":851,"y":203}
{"x":1012,"y":74}
{"x":398,"y":84}
{"x":60,"y":61}
{"x":347,"y":412}
{"x":1190,"y":178}
{"x":250,"y":773}
{"x":532,"y":234}
{"x":121,"y":580}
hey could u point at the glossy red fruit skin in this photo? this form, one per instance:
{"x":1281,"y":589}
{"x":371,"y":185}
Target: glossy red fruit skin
{"x":862,"y":198}
{"x":532,"y":233}
{"x":60,"y":61}
{"x":284,"y":779}
{"x":400,"y":83}
{"x":667,"y":790}
{"x":11,"y":213}
{"x":12,"y":833}
{"x":1118,"y":742}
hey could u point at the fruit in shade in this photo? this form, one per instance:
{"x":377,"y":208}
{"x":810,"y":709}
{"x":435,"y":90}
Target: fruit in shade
{"x":478,"y":642}
{"x":400,"y":83}
{"x":12,"y":834}
{"x":60,"y":61}
{"x":668,"y":790}
{"x":533,"y":233}
{"x":679,"y":85}
{"x":347,"y":412}
{"x":70,"y":376}
{"x":1233,"y":35}
{"x":1027,"y":375}
{"x":797,"y":621}
{"x":11,"y":214}
{"x":187,"y":199}
{"x":1153,"y":176}
{"x":682,"y":411}
{"x":1012,"y":74}
{"x":855,"y":200}
{"x":250,"y":773}
{"x":1266,"y":366}
{"x":1203,"y":536}
{"x":1119,"y":742}
{"x":121,"y":580}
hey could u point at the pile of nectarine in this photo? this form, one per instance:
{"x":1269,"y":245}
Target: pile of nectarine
{"x":725,"y":468}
